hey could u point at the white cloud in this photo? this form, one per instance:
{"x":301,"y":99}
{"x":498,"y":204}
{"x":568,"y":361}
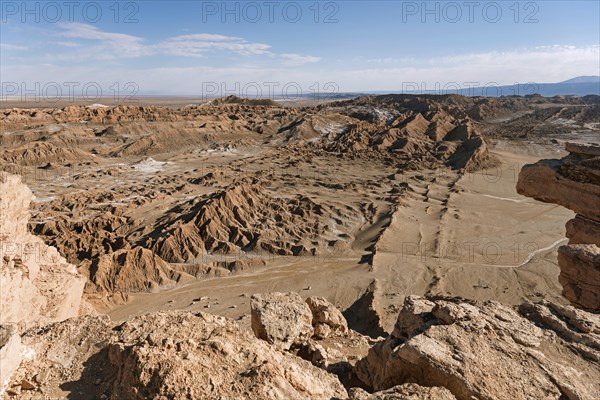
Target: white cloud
{"x":292,"y":59}
{"x":10,"y":46}
{"x":68,"y":44}
{"x":112,"y":46}
{"x":125,"y":45}
{"x":551,"y":63}
{"x":195,"y":45}
{"x":539,"y":64}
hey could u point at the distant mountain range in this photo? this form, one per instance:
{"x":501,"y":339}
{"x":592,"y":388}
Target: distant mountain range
{"x":578,"y":86}
{"x":583,"y":79}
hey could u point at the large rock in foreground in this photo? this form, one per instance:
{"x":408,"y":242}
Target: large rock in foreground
{"x":408,"y":391}
{"x":165,"y":355}
{"x":490,"y":351}
{"x":281,"y":318}
{"x":206,"y":357}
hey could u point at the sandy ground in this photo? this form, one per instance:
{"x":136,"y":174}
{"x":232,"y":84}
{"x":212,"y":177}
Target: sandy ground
{"x":471,"y":236}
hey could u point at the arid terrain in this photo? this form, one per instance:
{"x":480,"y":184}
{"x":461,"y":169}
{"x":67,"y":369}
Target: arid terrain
{"x":392,"y":206}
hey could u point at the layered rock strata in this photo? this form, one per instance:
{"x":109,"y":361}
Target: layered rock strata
{"x":573,"y":182}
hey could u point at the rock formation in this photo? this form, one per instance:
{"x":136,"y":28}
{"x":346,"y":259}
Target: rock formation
{"x":281,"y":318}
{"x":164,"y":355}
{"x":408,"y":391}
{"x":573,"y":182}
{"x":134,"y":270}
{"x":37,"y":285}
{"x":208,"y":357}
{"x":327,"y":319}
{"x":489,"y":351}
{"x":444,"y":348}
{"x":245,"y":217}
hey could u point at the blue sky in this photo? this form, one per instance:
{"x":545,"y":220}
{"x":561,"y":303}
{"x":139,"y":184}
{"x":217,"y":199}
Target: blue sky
{"x":185,"y":47}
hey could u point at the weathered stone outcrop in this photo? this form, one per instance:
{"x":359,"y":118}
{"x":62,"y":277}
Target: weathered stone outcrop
{"x":573,"y":182}
{"x":281,"y":318}
{"x":580,"y":274}
{"x":327,"y":319}
{"x":209,"y":357}
{"x":545,"y":181}
{"x":134,"y":270}
{"x":490,"y":351}
{"x":10,"y":352}
{"x":37,"y":285}
{"x":65,"y":359}
{"x":165,"y":355}
{"x":581,"y":230}
{"x":408,"y":391}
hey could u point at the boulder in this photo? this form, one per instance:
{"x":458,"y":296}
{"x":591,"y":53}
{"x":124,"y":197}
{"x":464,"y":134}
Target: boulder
{"x":326,"y":318}
{"x":209,"y":357}
{"x":281,"y":318}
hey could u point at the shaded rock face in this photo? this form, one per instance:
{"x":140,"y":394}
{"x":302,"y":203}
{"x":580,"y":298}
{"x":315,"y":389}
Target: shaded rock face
{"x":490,"y":351}
{"x":580,"y":274}
{"x":281,"y":318}
{"x":581,"y":230}
{"x":364,"y":315}
{"x":573,"y":182}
